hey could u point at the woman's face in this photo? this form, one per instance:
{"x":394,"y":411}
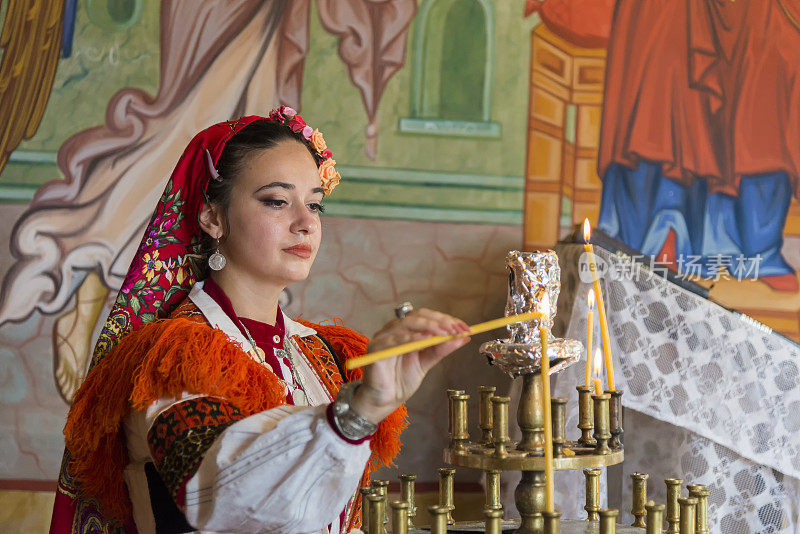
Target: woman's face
{"x":273,"y":216}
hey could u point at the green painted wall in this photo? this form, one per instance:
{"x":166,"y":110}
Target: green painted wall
{"x":377,"y":188}
{"x":416,"y":175}
{"x":333,"y":104}
{"x":104,"y":60}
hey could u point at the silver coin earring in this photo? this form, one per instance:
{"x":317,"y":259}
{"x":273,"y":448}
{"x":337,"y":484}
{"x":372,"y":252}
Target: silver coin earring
{"x":216,"y":261}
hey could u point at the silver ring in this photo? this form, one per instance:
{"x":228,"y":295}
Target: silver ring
{"x":403,"y":309}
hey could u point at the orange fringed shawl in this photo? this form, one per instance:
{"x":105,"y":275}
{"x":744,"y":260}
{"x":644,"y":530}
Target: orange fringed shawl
{"x":164,"y":359}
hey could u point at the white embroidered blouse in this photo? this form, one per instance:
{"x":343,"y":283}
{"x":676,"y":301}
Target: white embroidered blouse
{"x":284,"y":470}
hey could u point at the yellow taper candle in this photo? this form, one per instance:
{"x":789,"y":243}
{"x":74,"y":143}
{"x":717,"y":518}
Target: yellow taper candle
{"x":589,"y":337}
{"x":405,"y":348}
{"x":601,"y":308}
{"x":598,"y":372}
{"x":548,"y":419}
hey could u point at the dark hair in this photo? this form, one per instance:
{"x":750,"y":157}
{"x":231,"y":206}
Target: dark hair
{"x":258,"y":135}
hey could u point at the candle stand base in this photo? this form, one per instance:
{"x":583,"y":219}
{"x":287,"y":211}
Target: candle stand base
{"x":568,"y":526}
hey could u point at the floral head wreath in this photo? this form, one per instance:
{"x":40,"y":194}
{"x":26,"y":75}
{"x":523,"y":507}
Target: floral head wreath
{"x":291,"y":119}
{"x":327,"y":173}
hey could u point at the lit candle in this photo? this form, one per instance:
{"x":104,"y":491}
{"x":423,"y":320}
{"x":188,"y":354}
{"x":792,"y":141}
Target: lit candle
{"x":548,"y":419}
{"x":601,"y":308}
{"x":598,"y":370}
{"x":589,"y":336}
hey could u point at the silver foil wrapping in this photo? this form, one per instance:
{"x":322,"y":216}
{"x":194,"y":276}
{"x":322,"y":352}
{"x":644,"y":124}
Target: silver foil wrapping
{"x":534,"y":278}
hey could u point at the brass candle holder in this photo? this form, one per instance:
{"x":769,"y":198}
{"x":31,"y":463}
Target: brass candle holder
{"x":460,"y":436}
{"x":399,"y":517}
{"x":446,"y":476}
{"x":493,"y":521}
{"x":493,"y":490}
{"x":552,"y":522}
{"x":693,"y":487}
{"x":602,"y":432}
{"x":608,"y":521}
{"x":381,"y":487}
{"x":592,"y":493}
{"x":450,"y":416}
{"x":485,"y":414}
{"x":500,"y":425}
{"x":365,"y":492}
{"x":408,"y":494}
{"x":655,"y":518}
{"x":530,"y":415}
{"x":585,"y":416}
{"x":673,"y":511}
{"x":699,"y":492}
{"x":558,"y":409}
{"x":438,"y":519}
{"x":688,"y":509}
{"x":375,"y":513}
{"x":615,"y":409}
{"x":639,"y":498}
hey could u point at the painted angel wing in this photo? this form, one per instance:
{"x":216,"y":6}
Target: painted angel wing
{"x":31,"y":42}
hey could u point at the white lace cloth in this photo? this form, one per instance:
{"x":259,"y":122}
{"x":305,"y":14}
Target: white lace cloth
{"x":709,"y":397}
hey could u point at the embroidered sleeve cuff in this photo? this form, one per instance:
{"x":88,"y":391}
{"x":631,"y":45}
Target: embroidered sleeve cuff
{"x":332,"y":423}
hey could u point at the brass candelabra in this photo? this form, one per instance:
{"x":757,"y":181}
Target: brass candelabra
{"x":495,"y":452}
{"x":534,"y":278}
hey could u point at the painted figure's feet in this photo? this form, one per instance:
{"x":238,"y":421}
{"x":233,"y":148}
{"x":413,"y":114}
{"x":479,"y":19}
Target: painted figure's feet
{"x":786,"y":283}
{"x":72,"y":336}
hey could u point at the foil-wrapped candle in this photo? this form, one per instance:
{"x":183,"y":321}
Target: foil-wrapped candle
{"x":530,"y":276}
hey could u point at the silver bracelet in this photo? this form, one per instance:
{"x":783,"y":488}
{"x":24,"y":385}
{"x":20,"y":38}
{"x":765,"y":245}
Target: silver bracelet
{"x":348,"y":421}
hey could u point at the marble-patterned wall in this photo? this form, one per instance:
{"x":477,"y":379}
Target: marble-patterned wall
{"x":31,"y":411}
{"x":365,"y":267}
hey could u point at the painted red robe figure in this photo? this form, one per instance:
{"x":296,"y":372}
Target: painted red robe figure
{"x":700,"y":144}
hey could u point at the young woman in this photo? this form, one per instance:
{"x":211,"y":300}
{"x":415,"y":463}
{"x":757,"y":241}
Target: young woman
{"x":207,"y":408}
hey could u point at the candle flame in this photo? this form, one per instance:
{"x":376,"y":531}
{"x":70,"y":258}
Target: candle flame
{"x":598,"y":362}
{"x":590,"y":299}
{"x":544,"y":305}
{"x":587,"y":230}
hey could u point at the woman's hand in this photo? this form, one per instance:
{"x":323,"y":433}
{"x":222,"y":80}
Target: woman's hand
{"x":390,"y":382}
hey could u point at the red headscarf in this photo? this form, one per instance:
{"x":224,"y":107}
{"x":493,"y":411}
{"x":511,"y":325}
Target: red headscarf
{"x":161,"y":273}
